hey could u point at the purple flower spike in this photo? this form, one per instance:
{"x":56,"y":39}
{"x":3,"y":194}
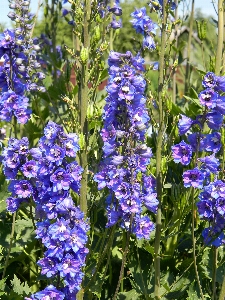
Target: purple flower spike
{"x":125,"y":154}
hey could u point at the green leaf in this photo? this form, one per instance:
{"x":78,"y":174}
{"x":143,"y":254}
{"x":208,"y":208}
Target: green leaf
{"x":116,"y":252}
{"x":2,"y":286}
{"x":193,"y":94}
{"x":176,"y":110}
{"x":19,"y":287}
{"x":193,"y":100}
{"x":131,"y":295}
{"x":104,"y":75}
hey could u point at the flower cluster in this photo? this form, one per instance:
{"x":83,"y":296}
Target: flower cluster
{"x":116,"y":11}
{"x":19,"y":71}
{"x":144,"y":25}
{"x":157,"y":6}
{"x":48,"y":175}
{"x":211,"y":199}
{"x":126,"y":156}
{"x":103,"y":11}
{"x":211,"y":207}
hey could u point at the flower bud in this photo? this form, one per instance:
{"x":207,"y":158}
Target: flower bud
{"x":41,"y":75}
{"x":22,"y":68}
{"x":36,"y":65}
{"x":19,"y":61}
{"x":19,"y":42}
{"x":11,"y":15}
{"x":41,"y":89}
{"x":26,"y":3}
{"x":28,"y":26}
{"x":18,"y":31}
{"x":36,"y":47}
{"x":13,"y":5}
{"x":84,"y":54}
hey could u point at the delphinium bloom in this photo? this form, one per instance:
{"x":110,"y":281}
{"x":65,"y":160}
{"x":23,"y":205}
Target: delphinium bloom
{"x":47,"y":174}
{"x":116,"y":11}
{"x":211,"y":205}
{"x":182,"y":153}
{"x":66,"y":235}
{"x":18,"y":74}
{"x":14,"y":158}
{"x":126,"y":156}
{"x":143,"y":24}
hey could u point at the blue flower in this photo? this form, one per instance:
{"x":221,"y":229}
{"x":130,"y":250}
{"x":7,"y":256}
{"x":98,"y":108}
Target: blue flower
{"x":182,"y":153}
{"x":193,"y":178}
{"x":49,"y":292}
{"x":184,"y":124}
{"x":148,"y":42}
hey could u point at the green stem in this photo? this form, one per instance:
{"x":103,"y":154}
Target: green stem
{"x":102,"y":256}
{"x":187,"y":75}
{"x":159,"y":153}
{"x":215,"y":254}
{"x":223,"y":70}
{"x":122,"y":265}
{"x":219,"y":38}
{"x":83,"y":105}
{"x":53,"y":25}
{"x":147,"y":297}
{"x":10,"y":245}
{"x":111,"y":30}
{"x":194,"y":242}
{"x":222,"y":292}
{"x":174,"y":72}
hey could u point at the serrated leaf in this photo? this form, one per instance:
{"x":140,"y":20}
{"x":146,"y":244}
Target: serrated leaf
{"x":2,"y":284}
{"x":116,"y":252}
{"x":19,"y":287}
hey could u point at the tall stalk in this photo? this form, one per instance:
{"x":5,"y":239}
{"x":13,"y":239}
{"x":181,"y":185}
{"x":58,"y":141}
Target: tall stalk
{"x":219,"y":38}
{"x":159,"y":152}
{"x":187,"y":73}
{"x":223,"y":70}
{"x":219,"y":52}
{"x":10,"y":245}
{"x":83,"y":105}
{"x":222,"y":292}
{"x":215,"y":255}
{"x":194,"y":241}
{"x":176,"y":40}
{"x":53,"y":24}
